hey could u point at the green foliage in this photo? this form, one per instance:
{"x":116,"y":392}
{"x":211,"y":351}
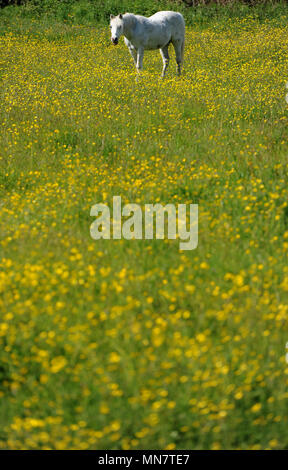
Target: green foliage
{"x":91,"y":11}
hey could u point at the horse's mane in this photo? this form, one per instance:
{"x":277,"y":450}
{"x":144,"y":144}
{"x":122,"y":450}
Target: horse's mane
{"x":130,"y":19}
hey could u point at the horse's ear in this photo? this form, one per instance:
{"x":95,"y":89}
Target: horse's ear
{"x":120,"y":16}
{"x":111,"y":17}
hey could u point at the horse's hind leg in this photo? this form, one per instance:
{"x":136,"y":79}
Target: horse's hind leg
{"x":165,"y":56}
{"x":178,"y":46}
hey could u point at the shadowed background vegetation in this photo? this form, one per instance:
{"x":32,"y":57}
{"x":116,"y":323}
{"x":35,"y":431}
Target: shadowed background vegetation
{"x":85,"y":11}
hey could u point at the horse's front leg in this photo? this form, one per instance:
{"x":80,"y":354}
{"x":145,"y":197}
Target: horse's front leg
{"x":140,"y":54}
{"x":133,"y":54}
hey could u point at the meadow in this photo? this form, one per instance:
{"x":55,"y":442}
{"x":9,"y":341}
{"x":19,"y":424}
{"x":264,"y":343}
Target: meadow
{"x":117,"y":344}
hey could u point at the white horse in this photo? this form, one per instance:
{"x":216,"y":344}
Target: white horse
{"x":156,"y":32}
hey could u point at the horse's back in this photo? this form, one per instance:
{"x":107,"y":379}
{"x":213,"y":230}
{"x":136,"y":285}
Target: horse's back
{"x":171,"y":21}
{"x":170,"y":17}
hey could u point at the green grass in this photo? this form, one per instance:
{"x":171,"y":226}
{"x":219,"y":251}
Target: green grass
{"x":134,"y":344}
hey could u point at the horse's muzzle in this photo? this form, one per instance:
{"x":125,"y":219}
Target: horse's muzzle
{"x":114,"y":41}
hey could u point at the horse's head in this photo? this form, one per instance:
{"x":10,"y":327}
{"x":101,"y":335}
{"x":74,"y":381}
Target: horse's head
{"x":116,"y":26}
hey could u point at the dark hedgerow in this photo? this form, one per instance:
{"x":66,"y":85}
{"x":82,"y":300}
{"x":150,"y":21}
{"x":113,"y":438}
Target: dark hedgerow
{"x":195,"y":11}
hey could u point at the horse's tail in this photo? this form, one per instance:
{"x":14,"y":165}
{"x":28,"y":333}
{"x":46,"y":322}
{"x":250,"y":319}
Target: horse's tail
{"x":183,"y":42}
{"x":182,"y":50}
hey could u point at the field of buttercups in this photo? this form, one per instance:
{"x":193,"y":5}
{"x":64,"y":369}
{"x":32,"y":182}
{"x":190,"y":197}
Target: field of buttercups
{"x":117,"y":344}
